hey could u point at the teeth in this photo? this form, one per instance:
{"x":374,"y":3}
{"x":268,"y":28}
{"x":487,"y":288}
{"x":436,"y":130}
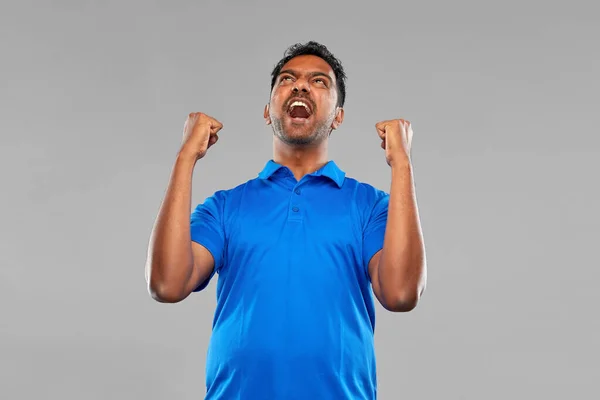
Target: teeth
{"x":299,"y":103}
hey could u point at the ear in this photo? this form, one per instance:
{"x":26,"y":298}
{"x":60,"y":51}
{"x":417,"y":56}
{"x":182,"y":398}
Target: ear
{"x":339,"y":118}
{"x":266,"y":115}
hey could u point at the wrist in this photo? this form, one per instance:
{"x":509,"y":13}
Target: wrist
{"x":187,"y":157}
{"x":401,"y":165}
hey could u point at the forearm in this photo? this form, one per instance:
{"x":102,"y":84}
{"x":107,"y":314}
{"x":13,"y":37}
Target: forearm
{"x":170,"y":259}
{"x":402,"y":266}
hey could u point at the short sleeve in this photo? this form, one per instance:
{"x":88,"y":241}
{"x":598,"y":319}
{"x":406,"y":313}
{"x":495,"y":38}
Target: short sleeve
{"x":207,"y":229}
{"x":374,"y":231}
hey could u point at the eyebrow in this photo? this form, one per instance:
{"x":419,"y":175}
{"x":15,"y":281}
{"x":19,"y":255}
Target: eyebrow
{"x":310,"y":74}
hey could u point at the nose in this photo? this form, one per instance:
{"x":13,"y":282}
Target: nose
{"x":301,"y":85}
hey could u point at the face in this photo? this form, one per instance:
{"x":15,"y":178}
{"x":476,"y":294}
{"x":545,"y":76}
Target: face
{"x":309,"y":80}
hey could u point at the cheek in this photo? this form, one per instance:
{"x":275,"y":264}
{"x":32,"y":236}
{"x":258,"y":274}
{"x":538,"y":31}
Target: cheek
{"x":326,"y":108}
{"x":276,"y":104}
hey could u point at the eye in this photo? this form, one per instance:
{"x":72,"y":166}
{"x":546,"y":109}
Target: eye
{"x":319,"y":80}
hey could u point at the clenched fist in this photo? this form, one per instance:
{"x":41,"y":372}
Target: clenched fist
{"x":199,"y":133}
{"x":396,"y":138}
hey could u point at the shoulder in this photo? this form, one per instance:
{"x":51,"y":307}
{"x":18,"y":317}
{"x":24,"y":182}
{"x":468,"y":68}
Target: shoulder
{"x":223,"y":199}
{"x":369,"y":201}
{"x":365,"y":194}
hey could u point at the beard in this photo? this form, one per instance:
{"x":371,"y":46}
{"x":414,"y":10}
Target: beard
{"x":296,"y":135}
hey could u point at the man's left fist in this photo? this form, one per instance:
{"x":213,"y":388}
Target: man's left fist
{"x":396,"y":136}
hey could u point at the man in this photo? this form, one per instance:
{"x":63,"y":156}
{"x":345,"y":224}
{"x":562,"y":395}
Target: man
{"x":299,"y":249}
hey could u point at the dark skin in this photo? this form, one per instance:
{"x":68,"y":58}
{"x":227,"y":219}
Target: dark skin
{"x":176,"y":265}
{"x":398,"y":271}
{"x":311,"y":78}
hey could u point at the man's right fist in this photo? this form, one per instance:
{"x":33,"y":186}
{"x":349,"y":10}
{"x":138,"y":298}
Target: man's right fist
{"x":199,"y":133}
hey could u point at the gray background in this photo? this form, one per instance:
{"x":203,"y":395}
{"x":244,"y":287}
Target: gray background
{"x":503,"y":98}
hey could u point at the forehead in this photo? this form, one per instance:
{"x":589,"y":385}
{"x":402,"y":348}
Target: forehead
{"x":309,"y":63}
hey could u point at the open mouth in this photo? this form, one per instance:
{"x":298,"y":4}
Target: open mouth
{"x":299,"y":111}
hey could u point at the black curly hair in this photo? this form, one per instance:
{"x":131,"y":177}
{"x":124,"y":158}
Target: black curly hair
{"x":319,"y":50}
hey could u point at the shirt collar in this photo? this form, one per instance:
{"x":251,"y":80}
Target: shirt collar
{"x":329,"y":170}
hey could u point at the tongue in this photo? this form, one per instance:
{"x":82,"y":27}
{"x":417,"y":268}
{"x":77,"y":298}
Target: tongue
{"x":299,"y":112}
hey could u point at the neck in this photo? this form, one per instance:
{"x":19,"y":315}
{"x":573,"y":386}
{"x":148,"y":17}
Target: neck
{"x":301,"y":160}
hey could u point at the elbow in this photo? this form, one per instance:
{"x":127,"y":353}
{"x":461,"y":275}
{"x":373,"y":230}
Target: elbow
{"x":164,"y":295}
{"x":402,"y":305}
{"x":406,"y":296}
{"x":403,"y":301}
{"x":164,"y":292}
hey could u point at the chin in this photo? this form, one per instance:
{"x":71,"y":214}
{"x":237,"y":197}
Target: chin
{"x":296,"y":134}
{"x":293,"y":139}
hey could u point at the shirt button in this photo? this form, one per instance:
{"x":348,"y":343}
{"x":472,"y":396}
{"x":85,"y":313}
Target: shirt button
{"x":298,"y":191}
{"x":295,"y":209}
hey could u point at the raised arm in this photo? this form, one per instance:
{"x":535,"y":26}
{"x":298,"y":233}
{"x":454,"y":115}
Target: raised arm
{"x":175,"y":265}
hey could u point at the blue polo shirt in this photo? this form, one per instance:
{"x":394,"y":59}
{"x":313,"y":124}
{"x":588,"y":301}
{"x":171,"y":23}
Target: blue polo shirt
{"x":295,"y":313}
